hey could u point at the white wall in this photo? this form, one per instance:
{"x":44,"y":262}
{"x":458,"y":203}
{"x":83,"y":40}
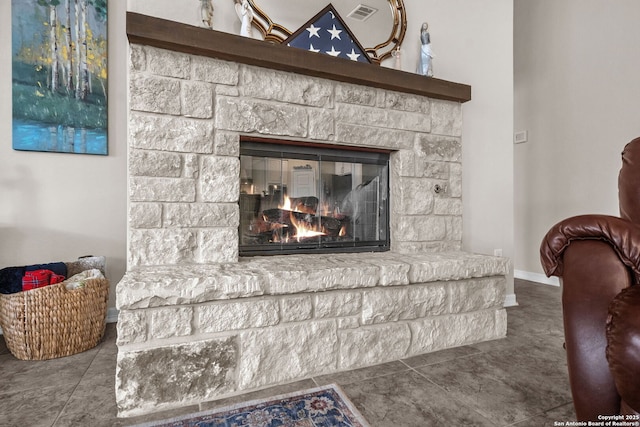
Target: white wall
{"x":55,"y":206}
{"x":472,"y":42}
{"x":576,"y":93}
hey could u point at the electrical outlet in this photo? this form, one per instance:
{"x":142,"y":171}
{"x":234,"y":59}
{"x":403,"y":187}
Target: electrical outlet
{"x":497,"y":252}
{"x":520,"y":137}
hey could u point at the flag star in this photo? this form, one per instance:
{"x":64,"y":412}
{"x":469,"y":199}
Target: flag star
{"x":313,"y":31}
{"x":335,"y":33}
{"x":353,"y":55}
{"x":333,"y":52}
{"x":312,"y":49}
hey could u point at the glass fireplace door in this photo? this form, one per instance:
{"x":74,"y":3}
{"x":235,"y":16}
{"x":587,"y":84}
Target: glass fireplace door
{"x":300,"y":199}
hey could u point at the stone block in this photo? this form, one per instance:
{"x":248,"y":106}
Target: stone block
{"x":226,"y":90}
{"x":454,"y":227}
{"x":197,"y":100}
{"x":454,"y":266}
{"x":137,"y":58}
{"x":263,"y":83}
{"x":161,"y":246}
{"x":191,"y":166}
{"x":348,"y":322}
{"x":433,"y":170}
{"x":148,"y":189}
{"x":426,"y":247}
{"x":232,"y":316}
{"x":372,"y":345}
{"x":218,"y":245}
{"x":476,"y":294}
{"x":417,"y":122}
{"x":415,"y":196}
{"x":321,"y":124}
{"x":227,"y":144}
{"x":355,"y":94}
{"x":447,"y":206}
{"x":170,"y":134}
{"x":295,"y":308}
{"x":403,"y":303}
{"x":171,"y":322}
{"x":430,"y":299}
{"x":403,"y":163}
{"x":220,"y":179}
{"x":386,"y":305}
{"x":201,"y":215}
{"x":154,"y":94}
{"x":160,"y":286}
{"x":214,"y":71}
{"x":420,"y":228}
{"x":392,"y":271}
{"x":446,"y":118}
{"x":291,"y":274}
{"x":337,"y":304}
{"x":179,"y":374}
{"x":155,"y":163}
{"x":246,"y":115}
{"x":362,"y":115}
{"x":406,"y":102}
{"x":281,"y":354}
{"x":369,"y":136}
{"x":438,"y":148}
{"x":455,"y":180}
{"x":132,"y":327}
{"x":440,"y":332}
{"x":145,"y":215}
{"x":168,"y":63}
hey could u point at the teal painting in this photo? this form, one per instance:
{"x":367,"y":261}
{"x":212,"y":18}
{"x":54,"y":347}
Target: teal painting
{"x":59,"y":83}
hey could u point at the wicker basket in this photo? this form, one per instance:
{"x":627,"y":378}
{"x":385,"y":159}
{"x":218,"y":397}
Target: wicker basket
{"x":51,"y":321}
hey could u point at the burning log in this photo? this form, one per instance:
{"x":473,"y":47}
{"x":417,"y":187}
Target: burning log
{"x":299,"y":220}
{"x":302,"y":204}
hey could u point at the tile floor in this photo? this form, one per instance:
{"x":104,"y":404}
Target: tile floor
{"x":517,"y":381}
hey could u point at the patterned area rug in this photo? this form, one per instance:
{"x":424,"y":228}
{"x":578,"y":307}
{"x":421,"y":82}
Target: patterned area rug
{"x":325,"y":406}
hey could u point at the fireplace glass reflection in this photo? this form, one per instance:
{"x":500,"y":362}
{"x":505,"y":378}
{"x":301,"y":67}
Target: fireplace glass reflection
{"x":300,"y":199}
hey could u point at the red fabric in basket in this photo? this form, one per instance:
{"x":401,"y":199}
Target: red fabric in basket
{"x":39,"y":278}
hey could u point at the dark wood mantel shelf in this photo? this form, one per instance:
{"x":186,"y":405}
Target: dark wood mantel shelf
{"x":151,"y":31}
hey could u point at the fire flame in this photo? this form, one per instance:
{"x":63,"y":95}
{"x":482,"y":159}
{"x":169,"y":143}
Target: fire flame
{"x":303,"y":230}
{"x":286,"y":205}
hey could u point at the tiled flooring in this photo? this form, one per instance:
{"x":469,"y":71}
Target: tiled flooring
{"x":517,"y":381}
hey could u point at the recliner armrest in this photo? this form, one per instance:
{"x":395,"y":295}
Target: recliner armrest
{"x":622,"y":235}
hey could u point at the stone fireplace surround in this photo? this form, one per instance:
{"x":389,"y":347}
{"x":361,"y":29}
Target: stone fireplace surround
{"x":197,"y":322}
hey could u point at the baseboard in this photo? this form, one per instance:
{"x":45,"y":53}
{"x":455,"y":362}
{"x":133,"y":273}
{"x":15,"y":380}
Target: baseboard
{"x":510,"y":300}
{"x":112,"y":315}
{"x":536,"y":277}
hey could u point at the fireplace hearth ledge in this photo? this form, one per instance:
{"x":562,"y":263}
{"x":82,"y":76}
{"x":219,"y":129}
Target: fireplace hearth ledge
{"x":158,"y":286}
{"x":195,"y":333}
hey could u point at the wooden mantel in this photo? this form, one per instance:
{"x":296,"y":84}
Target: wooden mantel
{"x":151,"y":31}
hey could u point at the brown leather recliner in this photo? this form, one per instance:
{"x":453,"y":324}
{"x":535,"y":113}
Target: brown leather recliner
{"x":597,"y":258}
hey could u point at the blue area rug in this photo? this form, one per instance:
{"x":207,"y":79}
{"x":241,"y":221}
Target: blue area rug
{"x":317,"y":407}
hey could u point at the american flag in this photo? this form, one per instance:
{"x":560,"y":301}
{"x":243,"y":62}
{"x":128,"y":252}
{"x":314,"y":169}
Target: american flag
{"x":327,"y":33}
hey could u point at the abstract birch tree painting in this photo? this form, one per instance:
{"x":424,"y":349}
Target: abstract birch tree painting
{"x":59,"y":62}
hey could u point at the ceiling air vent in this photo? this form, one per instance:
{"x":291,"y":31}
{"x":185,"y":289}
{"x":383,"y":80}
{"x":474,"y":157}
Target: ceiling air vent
{"x":362,"y":12}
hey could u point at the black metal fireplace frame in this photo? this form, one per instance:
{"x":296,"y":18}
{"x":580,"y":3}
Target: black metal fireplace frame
{"x":285,"y":149}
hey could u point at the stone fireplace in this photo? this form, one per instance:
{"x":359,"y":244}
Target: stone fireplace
{"x":197,"y":321}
